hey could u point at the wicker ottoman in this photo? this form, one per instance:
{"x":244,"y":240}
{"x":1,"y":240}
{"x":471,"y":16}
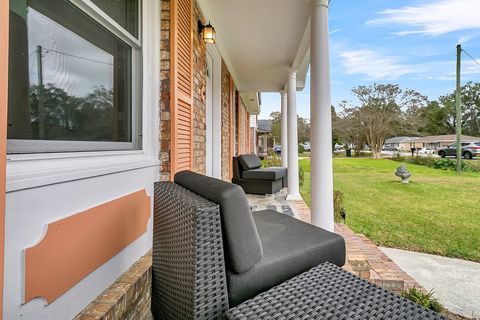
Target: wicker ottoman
{"x":329,"y":292}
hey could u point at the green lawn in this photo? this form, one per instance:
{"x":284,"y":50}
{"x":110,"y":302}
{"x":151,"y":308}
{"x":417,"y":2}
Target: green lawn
{"x":438,"y":212}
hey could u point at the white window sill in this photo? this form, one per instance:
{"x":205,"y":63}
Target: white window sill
{"x":36,"y":170}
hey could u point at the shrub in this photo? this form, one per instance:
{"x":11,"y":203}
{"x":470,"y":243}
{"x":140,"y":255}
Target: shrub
{"x":301,"y":148}
{"x":273,"y":161}
{"x":338,"y":209}
{"x":444,"y":164}
{"x":424,"y":299}
{"x":301,"y":176}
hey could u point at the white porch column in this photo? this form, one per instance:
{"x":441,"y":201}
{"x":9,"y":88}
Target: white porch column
{"x":293,"y":188}
{"x":284,"y":129}
{"x":321,"y":164}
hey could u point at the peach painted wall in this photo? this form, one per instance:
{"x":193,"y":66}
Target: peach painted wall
{"x":3,"y":131}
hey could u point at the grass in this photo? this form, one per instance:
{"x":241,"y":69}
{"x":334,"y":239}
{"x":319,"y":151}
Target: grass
{"x":438,"y":212}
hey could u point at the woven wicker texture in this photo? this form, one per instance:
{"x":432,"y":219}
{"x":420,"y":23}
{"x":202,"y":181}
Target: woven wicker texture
{"x":329,"y":292}
{"x":188,"y":273}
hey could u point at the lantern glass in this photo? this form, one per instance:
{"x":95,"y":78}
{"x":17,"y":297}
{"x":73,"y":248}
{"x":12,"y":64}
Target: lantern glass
{"x":209,"y":34}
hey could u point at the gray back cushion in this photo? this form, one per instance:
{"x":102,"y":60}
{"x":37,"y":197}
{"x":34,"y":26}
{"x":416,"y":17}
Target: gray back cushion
{"x":249,"y":161}
{"x":243,"y":248}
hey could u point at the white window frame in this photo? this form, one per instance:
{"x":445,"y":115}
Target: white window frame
{"x":40,"y":169}
{"x":32,"y":146}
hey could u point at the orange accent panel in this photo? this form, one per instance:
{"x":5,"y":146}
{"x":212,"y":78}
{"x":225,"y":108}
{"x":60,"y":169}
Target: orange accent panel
{"x":4,"y":16}
{"x":75,"y":246}
{"x":181,"y":102}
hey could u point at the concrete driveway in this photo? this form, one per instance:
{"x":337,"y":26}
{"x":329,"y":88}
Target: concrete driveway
{"x":455,"y":282}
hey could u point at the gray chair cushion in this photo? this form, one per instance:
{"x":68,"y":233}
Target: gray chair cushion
{"x":270,"y":173}
{"x":249,"y":161}
{"x":242,"y":244}
{"x":290,"y":247}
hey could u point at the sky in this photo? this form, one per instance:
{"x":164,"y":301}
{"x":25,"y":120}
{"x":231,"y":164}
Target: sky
{"x":411,"y":43}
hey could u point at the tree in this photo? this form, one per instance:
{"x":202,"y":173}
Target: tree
{"x":437,"y":120}
{"x":349,"y":129}
{"x":383,"y":111}
{"x":470,"y":94}
{"x":276,"y":118}
{"x":303,"y":129}
{"x":303,"y":126}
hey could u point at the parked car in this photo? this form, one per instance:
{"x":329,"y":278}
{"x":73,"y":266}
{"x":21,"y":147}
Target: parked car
{"x":277,"y":148}
{"x":469,"y":150}
{"x":306,"y":146}
{"x":426,"y":151}
{"x":389,"y":148}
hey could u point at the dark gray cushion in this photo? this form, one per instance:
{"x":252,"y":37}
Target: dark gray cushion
{"x":270,"y":173}
{"x":249,"y":161}
{"x":290,"y":247}
{"x":242,"y":244}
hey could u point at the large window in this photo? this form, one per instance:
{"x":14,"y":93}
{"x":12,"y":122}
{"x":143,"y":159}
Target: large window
{"x":74,"y":77}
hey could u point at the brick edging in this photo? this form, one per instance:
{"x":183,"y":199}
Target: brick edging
{"x":127,"y":298}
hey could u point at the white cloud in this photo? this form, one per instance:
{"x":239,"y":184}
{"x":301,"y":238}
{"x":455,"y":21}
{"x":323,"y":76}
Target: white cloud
{"x":434,"y":18}
{"x":373,"y":65}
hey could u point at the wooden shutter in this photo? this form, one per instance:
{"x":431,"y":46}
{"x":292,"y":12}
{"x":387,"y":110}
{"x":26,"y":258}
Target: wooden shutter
{"x":181,"y":43}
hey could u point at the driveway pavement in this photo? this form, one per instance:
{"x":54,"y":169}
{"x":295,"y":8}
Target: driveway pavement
{"x":455,"y":282}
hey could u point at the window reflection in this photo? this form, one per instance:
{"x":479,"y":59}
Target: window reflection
{"x":72,"y":78}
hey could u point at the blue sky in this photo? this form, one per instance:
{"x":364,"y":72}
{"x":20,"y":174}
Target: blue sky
{"x":408,"y":42}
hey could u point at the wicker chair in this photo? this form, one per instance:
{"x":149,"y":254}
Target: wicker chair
{"x":249,"y":174}
{"x":211,"y":253}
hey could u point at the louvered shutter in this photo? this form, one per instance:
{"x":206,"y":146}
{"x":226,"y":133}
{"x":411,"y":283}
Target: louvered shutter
{"x":181,"y":86}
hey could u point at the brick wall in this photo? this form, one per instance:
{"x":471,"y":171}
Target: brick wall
{"x":199,"y":105}
{"x":225,"y":122}
{"x":199,"y":100}
{"x":241,"y":128}
{"x":165,"y":92}
{"x":128,"y":298}
{"x":199,"y":83}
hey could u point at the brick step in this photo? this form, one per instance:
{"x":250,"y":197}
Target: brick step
{"x":383,"y":271}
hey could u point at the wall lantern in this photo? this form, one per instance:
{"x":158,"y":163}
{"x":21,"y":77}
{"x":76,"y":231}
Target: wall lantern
{"x":207,"y":32}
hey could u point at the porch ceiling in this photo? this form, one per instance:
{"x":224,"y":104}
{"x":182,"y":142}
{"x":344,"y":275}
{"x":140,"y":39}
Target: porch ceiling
{"x":261,"y":40}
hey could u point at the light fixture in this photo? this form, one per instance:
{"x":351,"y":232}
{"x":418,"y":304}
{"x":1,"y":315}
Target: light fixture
{"x":207,"y":32}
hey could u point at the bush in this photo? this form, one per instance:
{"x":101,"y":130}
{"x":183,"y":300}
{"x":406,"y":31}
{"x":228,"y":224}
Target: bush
{"x":301,"y":148}
{"x":301,"y":176}
{"x":273,"y":161}
{"x":426,"y":300}
{"x":444,"y":164}
{"x":338,"y":209}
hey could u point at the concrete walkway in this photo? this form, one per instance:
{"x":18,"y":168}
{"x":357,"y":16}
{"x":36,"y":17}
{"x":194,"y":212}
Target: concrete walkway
{"x":455,"y":282}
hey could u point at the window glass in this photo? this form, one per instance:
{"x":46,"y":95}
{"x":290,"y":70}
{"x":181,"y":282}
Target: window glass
{"x":477,"y":143}
{"x":465,"y":144}
{"x":70,"y":77}
{"x":124,"y":12}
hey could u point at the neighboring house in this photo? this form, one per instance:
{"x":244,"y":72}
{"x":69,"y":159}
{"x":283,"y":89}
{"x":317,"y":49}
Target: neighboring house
{"x":100,"y":99}
{"x":434,"y":142}
{"x":441,"y":141}
{"x":264,"y":131}
{"x":403,"y":143}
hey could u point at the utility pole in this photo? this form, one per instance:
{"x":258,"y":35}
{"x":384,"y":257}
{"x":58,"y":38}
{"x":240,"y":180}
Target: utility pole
{"x":458,"y":105}
{"x":41,"y":111}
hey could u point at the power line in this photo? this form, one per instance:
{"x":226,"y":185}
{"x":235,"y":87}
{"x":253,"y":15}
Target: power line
{"x":77,"y":57}
{"x":468,"y":54}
